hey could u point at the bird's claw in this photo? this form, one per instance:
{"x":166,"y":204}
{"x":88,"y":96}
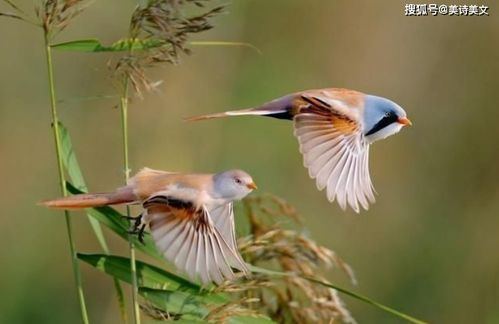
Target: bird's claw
{"x":137,"y":227}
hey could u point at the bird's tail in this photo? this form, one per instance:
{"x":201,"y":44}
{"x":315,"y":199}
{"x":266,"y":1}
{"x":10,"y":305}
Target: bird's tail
{"x":279,"y":108}
{"x":243,"y":112}
{"x":121,"y":196}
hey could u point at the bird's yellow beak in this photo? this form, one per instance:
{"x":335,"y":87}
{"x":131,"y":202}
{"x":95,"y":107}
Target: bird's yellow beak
{"x":404,"y":121}
{"x":251,"y":186}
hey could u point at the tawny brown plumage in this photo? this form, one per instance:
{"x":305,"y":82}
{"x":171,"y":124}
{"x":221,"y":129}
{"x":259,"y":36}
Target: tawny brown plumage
{"x":334,"y":128}
{"x":120,"y":196}
{"x":190,"y":217}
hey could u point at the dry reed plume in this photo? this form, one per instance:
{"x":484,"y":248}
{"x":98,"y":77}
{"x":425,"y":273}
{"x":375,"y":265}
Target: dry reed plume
{"x":162,"y":27}
{"x":273,"y":244}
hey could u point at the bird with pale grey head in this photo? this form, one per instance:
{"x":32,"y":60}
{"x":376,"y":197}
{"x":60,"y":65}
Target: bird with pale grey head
{"x":335,"y":128}
{"x":191,"y":217}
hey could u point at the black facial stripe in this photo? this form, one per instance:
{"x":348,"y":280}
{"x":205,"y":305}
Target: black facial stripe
{"x":385,"y":121}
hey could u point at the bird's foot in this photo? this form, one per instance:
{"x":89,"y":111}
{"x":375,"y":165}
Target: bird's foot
{"x":137,"y":227}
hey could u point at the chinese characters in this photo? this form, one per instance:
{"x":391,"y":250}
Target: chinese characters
{"x":434,"y":9}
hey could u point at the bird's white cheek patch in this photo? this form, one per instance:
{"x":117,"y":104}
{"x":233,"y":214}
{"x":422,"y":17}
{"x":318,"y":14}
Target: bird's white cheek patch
{"x":389,"y":130}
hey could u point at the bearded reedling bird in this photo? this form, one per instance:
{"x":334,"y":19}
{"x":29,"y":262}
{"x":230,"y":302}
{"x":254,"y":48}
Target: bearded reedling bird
{"x":190,"y":217}
{"x":335,"y":128}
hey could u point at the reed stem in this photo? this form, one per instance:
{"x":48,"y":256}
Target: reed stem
{"x":62,"y":180}
{"x":133,"y":267}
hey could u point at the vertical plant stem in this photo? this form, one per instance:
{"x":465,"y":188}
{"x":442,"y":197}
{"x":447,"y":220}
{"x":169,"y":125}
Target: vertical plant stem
{"x":62,"y":180}
{"x":133,"y":267}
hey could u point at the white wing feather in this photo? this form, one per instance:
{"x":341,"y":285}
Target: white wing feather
{"x":336,"y":158}
{"x":194,"y":242}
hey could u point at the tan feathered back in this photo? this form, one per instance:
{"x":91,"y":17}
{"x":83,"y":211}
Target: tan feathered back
{"x":149,"y":181}
{"x":140,"y":187}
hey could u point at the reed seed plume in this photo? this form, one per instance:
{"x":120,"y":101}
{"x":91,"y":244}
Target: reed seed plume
{"x":55,"y":15}
{"x":276,"y":242}
{"x":236,"y":307}
{"x":166,"y":26}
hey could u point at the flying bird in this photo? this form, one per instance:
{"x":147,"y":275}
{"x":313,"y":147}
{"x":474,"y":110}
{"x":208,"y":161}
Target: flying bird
{"x":190,"y":216}
{"x":334,"y":128}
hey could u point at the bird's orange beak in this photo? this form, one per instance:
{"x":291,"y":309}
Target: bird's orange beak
{"x":404,"y":121}
{"x":251,"y":186}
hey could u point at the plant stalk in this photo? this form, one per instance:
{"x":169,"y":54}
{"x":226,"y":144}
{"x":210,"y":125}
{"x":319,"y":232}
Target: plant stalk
{"x":133,"y":266}
{"x":62,"y":180}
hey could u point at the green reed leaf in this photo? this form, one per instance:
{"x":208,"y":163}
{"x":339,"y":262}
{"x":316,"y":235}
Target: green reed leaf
{"x":94,"y":45}
{"x":226,"y":43}
{"x":166,"y":290}
{"x":125,"y":45}
{"x":73,"y":169}
{"x":148,"y":276}
{"x":82,"y":45}
{"x":367,"y":300}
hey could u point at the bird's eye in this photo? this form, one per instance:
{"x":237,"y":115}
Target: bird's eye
{"x":238,"y":181}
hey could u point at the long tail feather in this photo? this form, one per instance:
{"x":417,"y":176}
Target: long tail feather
{"x":124,"y":195}
{"x":278,"y":108}
{"x":244,"y":112}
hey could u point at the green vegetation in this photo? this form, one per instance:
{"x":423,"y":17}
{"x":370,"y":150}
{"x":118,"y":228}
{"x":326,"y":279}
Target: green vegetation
{"x":288,"y":282}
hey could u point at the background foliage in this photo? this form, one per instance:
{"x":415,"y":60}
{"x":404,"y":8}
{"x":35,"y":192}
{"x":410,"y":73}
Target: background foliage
{"x":427,"y":247}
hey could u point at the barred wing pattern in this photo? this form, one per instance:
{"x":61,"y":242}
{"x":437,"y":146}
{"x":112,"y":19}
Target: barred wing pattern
{"x":188,"y":238}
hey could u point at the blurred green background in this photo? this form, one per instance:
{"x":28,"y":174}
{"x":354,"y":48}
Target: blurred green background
{"x":428,"y":247}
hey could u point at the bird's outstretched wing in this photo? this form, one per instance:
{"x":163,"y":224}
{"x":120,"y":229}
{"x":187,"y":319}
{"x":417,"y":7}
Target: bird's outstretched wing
{"x":188,"y":237}
{"x":334,"y":151}
{"x":223,"y":218}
